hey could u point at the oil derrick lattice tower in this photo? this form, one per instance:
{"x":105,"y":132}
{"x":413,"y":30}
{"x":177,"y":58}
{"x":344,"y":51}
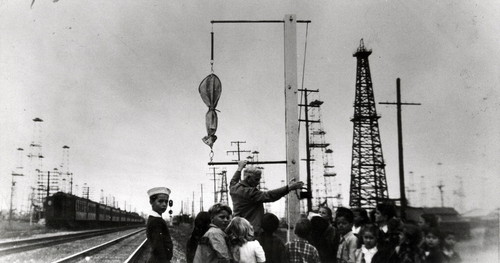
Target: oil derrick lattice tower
{"x":223,"y":188}
{"x":36,"y":180}
{"x":319,"y":156}
{"x":66,"y":175}
{"x":368,"y":181}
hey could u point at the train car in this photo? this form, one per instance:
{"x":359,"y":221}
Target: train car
{"x":69,"y":211}
{"x":60,"y":210}
{"x":81,"y":209}
{"x":92,"y":211}
{"x":104,"y":213}
{"x":123,"y":217}
{"x":115,"y":215}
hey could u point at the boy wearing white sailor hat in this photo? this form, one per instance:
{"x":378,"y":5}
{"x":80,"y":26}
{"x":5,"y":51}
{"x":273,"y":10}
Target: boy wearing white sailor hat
{"x":157,"y":230}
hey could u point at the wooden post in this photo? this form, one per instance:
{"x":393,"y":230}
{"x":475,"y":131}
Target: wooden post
{"x":291,"y":119}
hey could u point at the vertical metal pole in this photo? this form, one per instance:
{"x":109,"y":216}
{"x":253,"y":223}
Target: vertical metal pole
{"x":201,"y":198}
{"x":71,"y":185}
{"x":11,"y":199}
{"x":400,"y":151}
{"x":215,"y":188}
{"x":48,"y":183}
{"x":308,"y":154}
{"x":291,"y":117}
{"x":238,"y":145}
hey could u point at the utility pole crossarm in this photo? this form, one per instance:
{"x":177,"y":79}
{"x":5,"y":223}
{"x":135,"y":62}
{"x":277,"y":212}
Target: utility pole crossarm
{"x":254,"y":21}
{"x":238,"y":151}
{"x":236,"y":163}
{"x":402,"y":103}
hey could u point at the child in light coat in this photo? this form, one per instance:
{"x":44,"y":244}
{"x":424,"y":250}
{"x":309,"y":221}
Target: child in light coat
{"x":244,"y":248}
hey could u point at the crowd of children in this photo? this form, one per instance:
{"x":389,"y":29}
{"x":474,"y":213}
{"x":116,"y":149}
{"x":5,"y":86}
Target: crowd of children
{"x":346,"y":236}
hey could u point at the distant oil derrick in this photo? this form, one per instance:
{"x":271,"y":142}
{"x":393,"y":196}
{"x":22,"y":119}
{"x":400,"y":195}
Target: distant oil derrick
{"x":35,"y":178}
{"x":223,"y":188}
{"x":319,"y":160}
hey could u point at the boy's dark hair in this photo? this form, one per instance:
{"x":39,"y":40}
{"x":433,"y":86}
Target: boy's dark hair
{"x":303,"y":228}
{"x":346,"y":213}
{"x":387,"y":210}
{"x":201,"y":224}
{"x":435,"y":231}
{"x":394,"y":225}
{"x":362,"y":213}
{"x":372,"y":228}
{"x":318,"y":225}
{"x":217,"y":208}
{"x":449,"y":233}
{"x":270,"y":223}
{"x":412,"y":234}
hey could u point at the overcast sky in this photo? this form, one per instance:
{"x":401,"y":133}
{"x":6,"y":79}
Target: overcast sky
{"x":117,"y":81}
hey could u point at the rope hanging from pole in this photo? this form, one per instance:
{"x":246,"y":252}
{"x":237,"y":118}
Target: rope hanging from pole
{"x":304,"y":70}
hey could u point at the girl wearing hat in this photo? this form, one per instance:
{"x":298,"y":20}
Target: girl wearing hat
{"x":157,"y":230}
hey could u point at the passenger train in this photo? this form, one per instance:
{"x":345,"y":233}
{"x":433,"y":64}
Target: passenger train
{"x":70,"y":211}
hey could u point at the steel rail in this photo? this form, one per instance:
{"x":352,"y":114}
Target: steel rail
{"x":96,"y":248}
{"x":137,"y":252}
{"x":16,"y":246}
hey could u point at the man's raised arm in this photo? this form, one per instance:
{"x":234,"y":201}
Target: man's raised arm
{"x":237,"y":175}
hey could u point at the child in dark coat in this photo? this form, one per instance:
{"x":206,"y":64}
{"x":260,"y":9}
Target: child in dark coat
{"x":273,"y":246}
{"x":325,"y":238}
{"x":157,"y":230}
{"x":432,"y":246}
{"x":449,"y":241}
{"x":201,"y":226}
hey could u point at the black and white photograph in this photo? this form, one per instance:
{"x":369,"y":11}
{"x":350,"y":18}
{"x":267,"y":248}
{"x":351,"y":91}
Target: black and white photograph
{"x":249,"y":131}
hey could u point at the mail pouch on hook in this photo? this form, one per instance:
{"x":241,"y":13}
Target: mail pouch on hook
{"x":210,"y":90}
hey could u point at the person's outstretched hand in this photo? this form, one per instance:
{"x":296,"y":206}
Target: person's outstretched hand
{"x":242,"y":164}
{"x":295,"y":185}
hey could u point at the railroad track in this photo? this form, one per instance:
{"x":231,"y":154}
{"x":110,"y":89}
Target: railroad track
{"x":116,"y":250}
{"x":138,"y":252}
{"x":23,"y":245}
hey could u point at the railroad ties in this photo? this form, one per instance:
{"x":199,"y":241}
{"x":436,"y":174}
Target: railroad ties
{"x":93,"y":246}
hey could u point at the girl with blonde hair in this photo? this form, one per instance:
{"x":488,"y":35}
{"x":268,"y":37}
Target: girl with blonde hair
{"x":244,"y":248}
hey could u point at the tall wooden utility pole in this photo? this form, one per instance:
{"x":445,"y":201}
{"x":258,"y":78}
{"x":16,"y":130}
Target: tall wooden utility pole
{"x":398,"y":104}
{"x":291,"y":116}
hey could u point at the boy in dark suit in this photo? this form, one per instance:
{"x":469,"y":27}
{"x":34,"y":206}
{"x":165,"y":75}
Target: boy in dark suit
{"x":157,"y":230}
